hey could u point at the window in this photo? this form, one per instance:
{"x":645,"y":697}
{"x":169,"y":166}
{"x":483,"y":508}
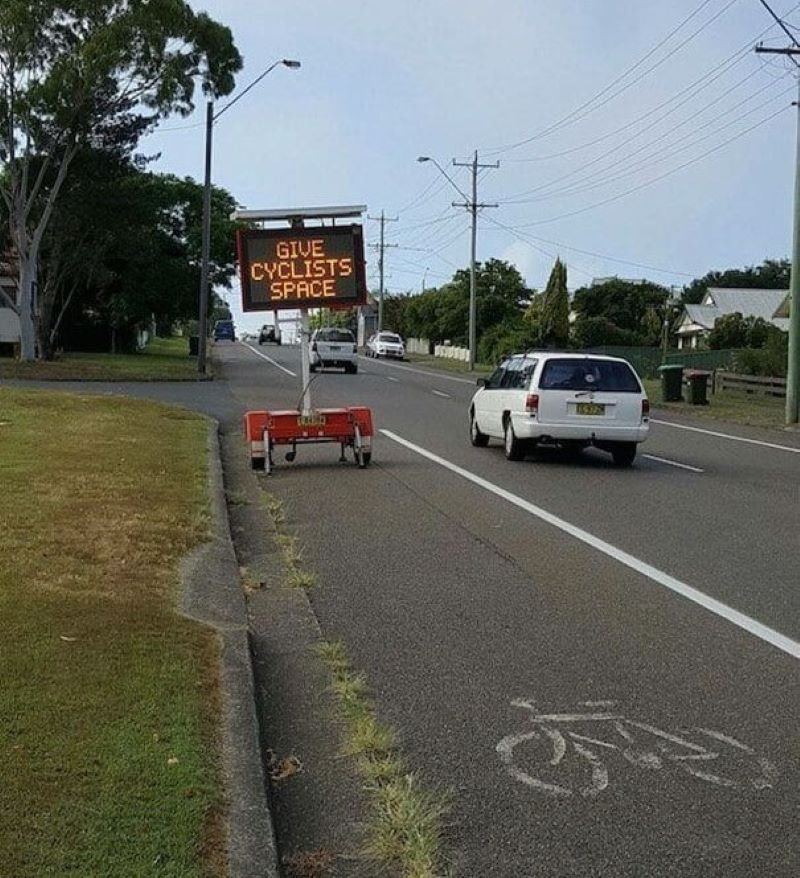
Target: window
{"x":589,"y":374}
{"x":495,"y":379}
{"x":335,"y":335}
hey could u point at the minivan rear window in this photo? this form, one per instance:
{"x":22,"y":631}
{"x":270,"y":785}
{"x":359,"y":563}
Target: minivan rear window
{"x":589,"y":374}
{"x":335,"y":335}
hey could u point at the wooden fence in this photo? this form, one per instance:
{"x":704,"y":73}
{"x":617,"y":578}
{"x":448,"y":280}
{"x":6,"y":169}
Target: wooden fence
{"x":749,"y":384}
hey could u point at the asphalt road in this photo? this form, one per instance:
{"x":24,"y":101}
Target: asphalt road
{"x":588,"y":719}
{"x":522,"y":626}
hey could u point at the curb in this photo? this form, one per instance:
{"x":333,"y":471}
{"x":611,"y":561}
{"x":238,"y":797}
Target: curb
{"x":212,"y":595}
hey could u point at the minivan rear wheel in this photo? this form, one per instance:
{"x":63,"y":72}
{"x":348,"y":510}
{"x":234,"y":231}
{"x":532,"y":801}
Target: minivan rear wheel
{"x":514,"y":448}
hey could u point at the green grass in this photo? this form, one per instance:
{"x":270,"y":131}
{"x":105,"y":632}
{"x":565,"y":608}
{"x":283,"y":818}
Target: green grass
{"x":446,"y":365}
{"x":752,"y":410}
{"x":164,"y":359}
{"x":108,"y":697}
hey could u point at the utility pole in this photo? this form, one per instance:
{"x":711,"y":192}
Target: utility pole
{"x":206,"y":245}
{"x":383,"y":219}
{"x":793,"y":364}
{"x":473,"y":206}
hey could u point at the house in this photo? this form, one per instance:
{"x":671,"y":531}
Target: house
{"x":697,"y":321}
{"x":9,"y":321}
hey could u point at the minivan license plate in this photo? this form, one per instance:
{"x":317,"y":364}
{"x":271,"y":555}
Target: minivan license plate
{"x":590,"y":408}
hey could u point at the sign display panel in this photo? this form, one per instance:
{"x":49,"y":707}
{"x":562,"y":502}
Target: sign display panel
{"x":320,"y":267}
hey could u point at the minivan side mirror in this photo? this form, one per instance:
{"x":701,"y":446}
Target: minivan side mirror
{"x":481,"y":382}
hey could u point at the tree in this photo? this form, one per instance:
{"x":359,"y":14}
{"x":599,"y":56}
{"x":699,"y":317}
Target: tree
{"x":124,"y":245}
{"x":555,"y":308}
{"x":74,"y":74}
{"x":736,"y":331}
{"x":618,"y":312}
{"x":772,"y":274}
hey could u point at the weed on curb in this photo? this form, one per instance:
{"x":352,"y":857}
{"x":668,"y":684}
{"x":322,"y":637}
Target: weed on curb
{"x":292,"y":555}
{"x":407,"y":822}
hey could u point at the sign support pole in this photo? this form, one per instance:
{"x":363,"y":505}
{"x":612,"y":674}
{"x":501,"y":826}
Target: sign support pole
{"x":305,"y":371}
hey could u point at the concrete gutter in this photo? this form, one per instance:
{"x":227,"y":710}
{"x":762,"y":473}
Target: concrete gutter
{"x":212,"y":594}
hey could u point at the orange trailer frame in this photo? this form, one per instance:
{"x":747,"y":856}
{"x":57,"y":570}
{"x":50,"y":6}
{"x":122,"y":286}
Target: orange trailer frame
{"x":350,"y":427}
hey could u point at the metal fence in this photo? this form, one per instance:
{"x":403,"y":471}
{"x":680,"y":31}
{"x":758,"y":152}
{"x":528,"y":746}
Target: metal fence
{"x":647,"y":360}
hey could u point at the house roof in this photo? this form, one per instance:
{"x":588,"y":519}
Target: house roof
{"x":748,"y":302}
{"x":783,"y":309}
{"x":702,"y":315}
{"x":719,"y":301}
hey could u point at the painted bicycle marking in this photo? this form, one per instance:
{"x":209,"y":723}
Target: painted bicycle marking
{"x":599,"y":732}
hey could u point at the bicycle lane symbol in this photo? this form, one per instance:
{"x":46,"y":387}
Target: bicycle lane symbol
{"x":599,"y":732}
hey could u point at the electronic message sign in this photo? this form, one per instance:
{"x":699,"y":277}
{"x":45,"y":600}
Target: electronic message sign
{"x":320,"y":267}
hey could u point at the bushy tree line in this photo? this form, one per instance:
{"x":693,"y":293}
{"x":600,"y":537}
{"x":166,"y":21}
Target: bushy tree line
{"x":80,"y":83}
{"x":615,"y":312}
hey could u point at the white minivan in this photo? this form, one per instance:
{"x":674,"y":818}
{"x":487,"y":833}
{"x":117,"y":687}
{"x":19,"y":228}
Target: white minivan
{"x":331,"y":346}
{"x":571,"y":400}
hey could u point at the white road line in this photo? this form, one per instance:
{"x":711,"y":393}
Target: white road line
{"x":429,"y":374}
{"x":441,"y":393}
{"x":727,"y":436}
{"x":270,"y":360}
{"x":389,"y":378}
{"x":692,"y":469}
{"x":769,"y":635}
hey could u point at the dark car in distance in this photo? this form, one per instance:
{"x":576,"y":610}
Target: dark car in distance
{"x":269,"y":333}
{"x":224,"y":331}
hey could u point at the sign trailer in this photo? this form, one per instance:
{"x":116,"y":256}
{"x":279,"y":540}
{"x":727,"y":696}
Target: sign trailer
{"x":300,"y":268}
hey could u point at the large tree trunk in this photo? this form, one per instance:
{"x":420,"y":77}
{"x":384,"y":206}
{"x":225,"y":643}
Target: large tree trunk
{"x":27,"y":328}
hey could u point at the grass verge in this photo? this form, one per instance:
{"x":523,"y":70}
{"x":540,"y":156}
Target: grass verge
{"x":406,"y":828}
{"x":108,"y":701}
{"x":164,"y":359}
{"x":736,"y":408}
{"x":446,"y":365}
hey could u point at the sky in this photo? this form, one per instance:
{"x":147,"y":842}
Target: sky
{"x":633,"y":139}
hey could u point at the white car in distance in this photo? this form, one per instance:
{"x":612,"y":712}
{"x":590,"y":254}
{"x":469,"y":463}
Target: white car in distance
{"x":569,"y":400}
{"x":386,"y":344}
{"x":331,"y":346}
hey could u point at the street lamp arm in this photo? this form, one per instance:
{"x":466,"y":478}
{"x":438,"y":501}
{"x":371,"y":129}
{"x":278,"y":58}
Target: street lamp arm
{"x":293,"y":65}
{"x":425,"y":158}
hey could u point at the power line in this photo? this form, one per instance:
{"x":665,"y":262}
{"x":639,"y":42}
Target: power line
{"x":660,"y":176}
{"x":598,"y":178}
{"x":603,"y":256}
{"x":574,"y":116}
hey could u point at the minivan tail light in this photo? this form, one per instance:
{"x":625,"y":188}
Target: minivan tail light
{"x":313,"y":345}
{"x":645,"y":408}
{"x":532,"y":404}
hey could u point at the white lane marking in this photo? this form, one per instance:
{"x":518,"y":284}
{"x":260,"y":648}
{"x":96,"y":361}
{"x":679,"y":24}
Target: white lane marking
{"x":692,"y":469}
{"x":727,"y":436}
{"x":441,"y":393}
{"x":763,"y":632}
{"x":429,"y":374}
{"x":270,"y":360}
{"x":389,"y":378}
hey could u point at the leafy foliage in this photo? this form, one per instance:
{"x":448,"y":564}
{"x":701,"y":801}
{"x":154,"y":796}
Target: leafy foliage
{"x":555,"y":308}
{"x":76,"y":74}
{"x":619,"y":312}
{"x":772,"y":274}
{"x":736,"y":331}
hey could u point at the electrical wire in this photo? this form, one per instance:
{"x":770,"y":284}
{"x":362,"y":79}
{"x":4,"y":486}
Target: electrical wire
{"x":590,"y":106}
{"x":598,"y":177}
{"x":660,"y":176}
{"x":604,"y":256}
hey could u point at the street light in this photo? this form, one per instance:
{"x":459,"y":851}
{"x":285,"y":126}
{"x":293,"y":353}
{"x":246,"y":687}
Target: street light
{"x":211,"y":118}
{"x":471,"y":204}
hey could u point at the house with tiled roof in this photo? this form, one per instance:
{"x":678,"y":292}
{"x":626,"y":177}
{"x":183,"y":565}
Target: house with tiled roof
{"x":697,"y":321}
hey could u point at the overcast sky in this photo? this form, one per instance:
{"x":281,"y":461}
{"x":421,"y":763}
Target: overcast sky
{"x":580,"y":101}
